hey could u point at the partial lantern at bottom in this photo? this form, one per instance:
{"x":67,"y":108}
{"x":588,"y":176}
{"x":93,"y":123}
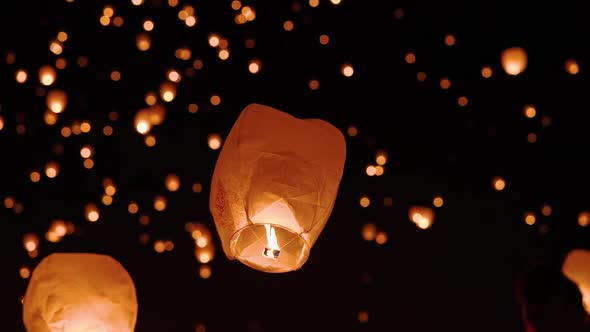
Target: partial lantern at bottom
{"x":80,"y":292}
{"x":274,"y":187}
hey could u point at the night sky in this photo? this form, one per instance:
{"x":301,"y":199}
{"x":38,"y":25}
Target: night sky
{"x":448,"y":142}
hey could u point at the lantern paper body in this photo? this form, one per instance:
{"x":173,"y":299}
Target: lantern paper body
{"x":576,"y":267}
{"x":274,"y":187}
{"x":80,"y":292}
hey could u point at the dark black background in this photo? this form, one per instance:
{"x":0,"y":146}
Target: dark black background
{"x":456,"y":276}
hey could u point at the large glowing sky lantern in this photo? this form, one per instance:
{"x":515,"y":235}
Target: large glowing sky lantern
{"x":274,"y":187}
{"x":80,"y":292}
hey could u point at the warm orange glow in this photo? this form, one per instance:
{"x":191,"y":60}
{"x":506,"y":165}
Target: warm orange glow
{"x":30,"y":242}
{"x":167,"y":91}
{"x":529,"y":111}
{"x":381,"y":237}
{"x":150,"y":140}
{"x":422,"y":216}
{"x":160,"y":203}
{"x":531,"y":138}
{"x":313,"y":84}
{"x":584,"y":218}
{"x":51,"y":169}
{"x":529,"y":218}
{"x":438,"y":201}
{"x":118,"y":21}
{"x":365,"y":201}
{"x":21,"y":76}
{"x":172,"y":182}
{"x":370,"y":170}
{"x":148,"y":25}
{"x":205,"y":273}
{"x":115,"y":75}
{"x":514,"y":60}
{"x":347,"y":70}
{"x":421,"y":76}
{"x":132,"y":207}
{"x":215,"y":100}
{"x":288,"y":25}
{"x":85,"y":127}
{"x":379,"y":170}
{"x":410,"y":58}
{"x":572,"y":67}
{"x":91,"y":212}
{"x":205,"y":255}
{"x":143,"y":41}
{"x":193,"y":108}
{"x":445,"y":83}
{"x":272,"y":249}
{"x":88,"y":163}
{"x":173,"y":75}
{"x":24,"y":272}
{"x":352,"y":131}
{"x":183,"y":53}
{"x":86,"y":151}
{"x":197,"y":187}
{"x":462,"y":101}
{"x":35,"y":176}
{"x":450,"y":40}
{"x":486,"y":72}
{"x":47,"y":75}
{"x":254,"y":66}
{"x":381,"y":157}
{"x":324,"y":39}
{"x":576,"y":266}
{"x":546,"y":210}
{"x":214,"y":141}
{"x":499,"y":183}
{"x":56,"y":47}
{"x":56,"y":100}
{"x":363,"y":316}
{"x":369,"y":231}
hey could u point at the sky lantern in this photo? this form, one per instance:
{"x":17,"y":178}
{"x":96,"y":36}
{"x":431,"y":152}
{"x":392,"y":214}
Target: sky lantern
{"x":274,"y":187}
{"x":422,"y":216}
{"x":80,"y":292}
{"x":576,"y":267}
{"x":514,"y":60}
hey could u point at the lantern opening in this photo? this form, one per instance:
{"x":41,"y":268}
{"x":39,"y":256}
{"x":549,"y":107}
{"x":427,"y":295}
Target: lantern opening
{"x":269,"y":248}
{"x":272,"y":250}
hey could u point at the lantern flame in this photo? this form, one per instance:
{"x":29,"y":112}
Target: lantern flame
{"x":272,"y":249}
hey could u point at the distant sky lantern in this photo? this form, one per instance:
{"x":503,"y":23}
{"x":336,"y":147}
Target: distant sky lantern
{"x":514,"y":60}
{"x":576,"y":266}
{"x":80,"y":292}
{"x":167,"y":91}
{"x":499,"y":183}
{"x":274,"y":187}
{"x":143,"y":41}
{"x":422,"y":216}
{"x":584,"y":218}
{"x":347,"y":70}
{"x":56,"y":100}
{"x":172,"y":182}
{"x":47,"y":75}
{"x":572,"y":67}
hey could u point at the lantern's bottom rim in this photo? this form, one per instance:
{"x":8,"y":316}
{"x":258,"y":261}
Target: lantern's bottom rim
{"x":250,"y":246}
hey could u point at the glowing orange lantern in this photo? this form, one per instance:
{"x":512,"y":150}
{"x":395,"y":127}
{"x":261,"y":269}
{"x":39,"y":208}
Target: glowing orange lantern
{"x":80,"y":292}
{"x":576,"y":267}
{"x":514,"y":60}
{"x":422,"y":216}
{"x":274,"y":187}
